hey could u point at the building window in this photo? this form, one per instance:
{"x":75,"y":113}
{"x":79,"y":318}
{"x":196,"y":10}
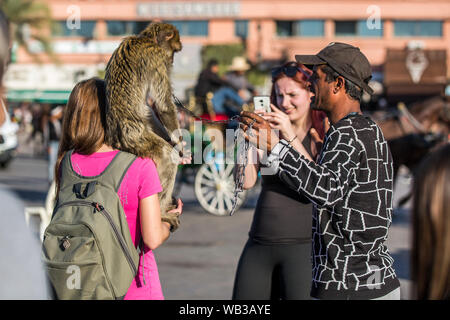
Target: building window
{"x":405,"y":28}
{"x":300,"y":28}
{"x":85,"y":29}
{"x":357,"y":28}
{"x":121,"y":28}
{"x":241,"y":28}
{"x":345,"y":28}
{"x":310,"y":28}
{"x":285,"y":28}
{"x":197,"y":28}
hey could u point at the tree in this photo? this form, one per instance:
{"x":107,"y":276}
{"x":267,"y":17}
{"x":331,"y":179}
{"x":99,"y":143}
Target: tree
{"x":29,"y":20}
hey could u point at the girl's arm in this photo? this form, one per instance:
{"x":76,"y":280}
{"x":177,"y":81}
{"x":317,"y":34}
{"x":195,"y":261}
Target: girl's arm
{"x":154,"y":231}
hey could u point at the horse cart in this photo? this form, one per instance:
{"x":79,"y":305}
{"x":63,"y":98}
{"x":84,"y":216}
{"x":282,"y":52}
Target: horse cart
{"x":414,"y":82}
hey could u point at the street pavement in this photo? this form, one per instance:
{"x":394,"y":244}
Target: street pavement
{"x":198,"y":261}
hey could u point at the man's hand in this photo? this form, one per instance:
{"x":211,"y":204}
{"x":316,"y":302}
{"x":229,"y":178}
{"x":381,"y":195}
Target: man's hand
{"x":263,"y":135}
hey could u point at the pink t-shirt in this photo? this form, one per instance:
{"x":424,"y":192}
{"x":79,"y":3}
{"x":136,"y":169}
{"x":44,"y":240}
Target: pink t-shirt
{"x":140,"y":181}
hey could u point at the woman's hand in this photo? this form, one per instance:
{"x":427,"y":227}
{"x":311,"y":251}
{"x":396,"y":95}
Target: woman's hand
{"x":279,"y":121}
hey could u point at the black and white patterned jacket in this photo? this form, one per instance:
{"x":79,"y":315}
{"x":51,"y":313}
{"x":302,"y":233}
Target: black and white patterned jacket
{"x":351,"y":188}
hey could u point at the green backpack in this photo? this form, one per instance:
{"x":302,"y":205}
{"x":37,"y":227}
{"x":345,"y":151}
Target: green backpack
{"x":87,"y":249}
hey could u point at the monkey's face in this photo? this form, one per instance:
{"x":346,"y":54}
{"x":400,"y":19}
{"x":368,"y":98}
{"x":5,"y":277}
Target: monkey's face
{"x":175,"y":43}
{"x":166,"y":36}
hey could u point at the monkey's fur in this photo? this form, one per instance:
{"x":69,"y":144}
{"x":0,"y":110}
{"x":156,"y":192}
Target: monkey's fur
{"x":141,"y":65}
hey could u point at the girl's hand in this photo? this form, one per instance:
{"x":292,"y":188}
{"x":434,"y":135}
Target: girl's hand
{"x":280,"y":121}
{"x":187,"y":158}
{"x":179,"y":209}
{"x":187,"y":155}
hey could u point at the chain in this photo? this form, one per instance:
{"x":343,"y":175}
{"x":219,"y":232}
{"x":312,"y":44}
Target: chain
{"x":241,"y":161}
{"x":181,"y":106}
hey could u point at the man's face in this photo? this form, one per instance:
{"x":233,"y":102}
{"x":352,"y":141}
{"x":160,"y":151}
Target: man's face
{"x":321,"y":90}
{"x":215,"y":68}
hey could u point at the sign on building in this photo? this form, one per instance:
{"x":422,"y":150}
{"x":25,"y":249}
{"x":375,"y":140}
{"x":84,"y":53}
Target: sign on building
{"x":45,"y":83}
{"x":183,"y":9}
{"x":415,"y":71}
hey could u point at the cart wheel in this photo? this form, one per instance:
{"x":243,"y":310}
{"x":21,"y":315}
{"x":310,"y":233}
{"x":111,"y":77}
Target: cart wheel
{"x":214,"y":188}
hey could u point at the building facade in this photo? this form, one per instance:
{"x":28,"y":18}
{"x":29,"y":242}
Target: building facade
{"x":87,"y":32}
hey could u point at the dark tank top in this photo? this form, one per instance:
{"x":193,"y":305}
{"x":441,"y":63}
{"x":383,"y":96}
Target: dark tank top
{"x":282,"y":216}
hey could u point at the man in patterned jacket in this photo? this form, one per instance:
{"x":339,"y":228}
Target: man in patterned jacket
{"x":351,"y":184}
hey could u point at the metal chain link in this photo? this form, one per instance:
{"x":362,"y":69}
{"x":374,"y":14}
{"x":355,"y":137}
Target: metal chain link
{"x":180,"y":105}
{"x":243,"y":154}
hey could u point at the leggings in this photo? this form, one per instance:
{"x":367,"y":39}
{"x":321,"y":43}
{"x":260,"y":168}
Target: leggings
{"x":273,"y":272}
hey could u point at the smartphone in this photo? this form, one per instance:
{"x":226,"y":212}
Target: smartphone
{"x":262,"y":103}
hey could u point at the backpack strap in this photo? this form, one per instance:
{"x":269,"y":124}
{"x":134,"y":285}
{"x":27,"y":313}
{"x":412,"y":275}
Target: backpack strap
{"x":117,"y":168}
{"x":112,"y":175}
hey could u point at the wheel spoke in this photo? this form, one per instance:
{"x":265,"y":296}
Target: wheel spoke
{"x":228,"y":171}
{"x":229,"y":193}
{"x":228,"y":201}
{"x":208,"y":183}
{"x":214,"y":171}
{"x":214,"y":203}
{"x":220,"y":200}
{"x":208,"y":194}
{"x":208,"y":173}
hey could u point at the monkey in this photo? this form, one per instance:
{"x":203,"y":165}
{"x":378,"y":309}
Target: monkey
{"x":139,"y":67}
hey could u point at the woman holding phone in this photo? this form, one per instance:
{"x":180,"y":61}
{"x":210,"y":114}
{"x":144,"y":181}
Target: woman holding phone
{"x":276,"y":260}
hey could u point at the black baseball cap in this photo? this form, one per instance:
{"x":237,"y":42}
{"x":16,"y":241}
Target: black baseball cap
{"x":346,"y":60}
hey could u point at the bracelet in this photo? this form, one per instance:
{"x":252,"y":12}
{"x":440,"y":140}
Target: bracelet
{"x":289,"y":141}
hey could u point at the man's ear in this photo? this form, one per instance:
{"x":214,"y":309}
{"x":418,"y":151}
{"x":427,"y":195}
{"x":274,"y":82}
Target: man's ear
{"x":339,"y":84}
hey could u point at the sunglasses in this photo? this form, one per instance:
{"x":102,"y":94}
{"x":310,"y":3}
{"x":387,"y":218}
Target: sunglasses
{"x":289,"y":70}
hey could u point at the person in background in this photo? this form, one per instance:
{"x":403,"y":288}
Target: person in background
{"x":225,"y":97}
{"x":36,"y":138}
{"x":53,"y":134}
{"x":276,"y":260}
{"x":431,"y":227}
{"x":237,"y":78}
{"x":22,"y":273}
